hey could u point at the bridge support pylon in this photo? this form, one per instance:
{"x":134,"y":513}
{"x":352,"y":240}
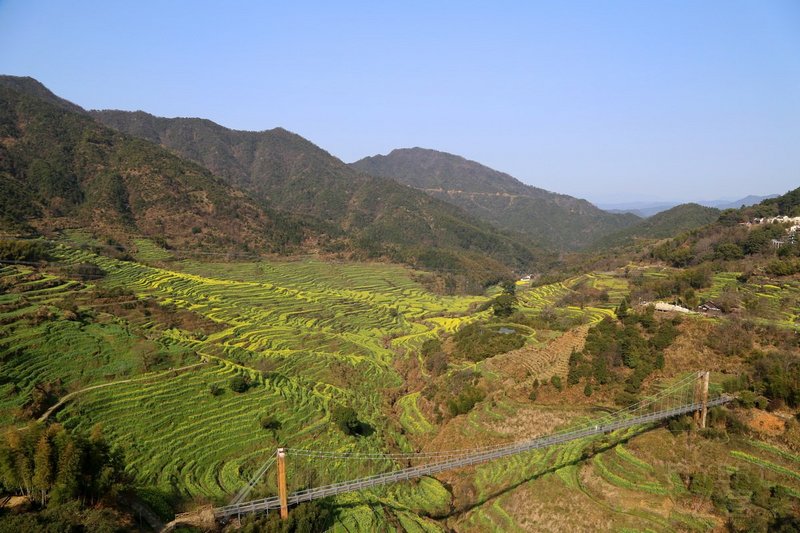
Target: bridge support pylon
{"x":282,"y":495}
{"x":701,"y":397}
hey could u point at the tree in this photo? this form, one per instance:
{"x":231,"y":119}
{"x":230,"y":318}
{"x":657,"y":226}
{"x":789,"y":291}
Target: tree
{"x":269,"y":422}
{"x":67,"y":481}
{"x":504,"y":305}
{"x":622,"y":309}
{"x":347,"y":421}
{"x":43,"y":466}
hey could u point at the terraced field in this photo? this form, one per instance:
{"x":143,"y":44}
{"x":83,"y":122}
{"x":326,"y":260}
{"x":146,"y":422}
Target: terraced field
{"x":39,"y":345}
{"x":182,"y":438}
{"x":777,"y":303}
{"x":631,"y":485}
{"x":539,"y":362}
{"x":308,"y":334}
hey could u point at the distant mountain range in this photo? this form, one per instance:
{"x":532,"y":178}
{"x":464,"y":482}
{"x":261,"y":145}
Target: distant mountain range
{"x":648,"y":209}
{"x":558,"y":219}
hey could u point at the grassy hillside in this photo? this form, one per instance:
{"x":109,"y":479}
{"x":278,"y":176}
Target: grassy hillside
{"x":556,"y":219}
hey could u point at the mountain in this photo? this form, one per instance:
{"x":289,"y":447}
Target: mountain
{"x":640,"y":209}
{"x":737,"y":235}
{"x":648,"y":209}
{"x":33,"y":87}
{"x":60,"y":168}
{"x":736,"y":204}
{"x":664,"y":224}
{"x":381,"y":217}
{"x":558,"y":219}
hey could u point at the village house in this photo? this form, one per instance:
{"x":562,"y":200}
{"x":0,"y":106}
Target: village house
{"x":709,"y":307}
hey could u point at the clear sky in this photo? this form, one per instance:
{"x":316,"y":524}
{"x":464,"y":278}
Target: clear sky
{"x":605,"y":100}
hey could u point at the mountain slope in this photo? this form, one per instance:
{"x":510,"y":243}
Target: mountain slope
{"x":381,"y":216}
{"x":33,"y":87}
{"x":494,"y":196}
{"x":60,"y":168}
{"x":750,"y":234}
{"x":747,"y":201}
{"x":663,"y":224}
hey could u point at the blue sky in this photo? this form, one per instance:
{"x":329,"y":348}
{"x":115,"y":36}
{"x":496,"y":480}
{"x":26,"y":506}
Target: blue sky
{"x":610,"y":101}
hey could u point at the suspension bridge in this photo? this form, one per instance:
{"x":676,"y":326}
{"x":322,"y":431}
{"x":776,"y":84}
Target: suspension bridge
{"x":687,"y":396}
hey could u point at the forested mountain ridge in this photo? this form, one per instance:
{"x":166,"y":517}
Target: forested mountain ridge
{"x":60,"y":168}
{"x":382,"y":217}
{"x":561,"y":220}
{"x":33,"y":87}
{"x":266,"y":191}
{"x":750,"y":235}
{"x":664,"y":224}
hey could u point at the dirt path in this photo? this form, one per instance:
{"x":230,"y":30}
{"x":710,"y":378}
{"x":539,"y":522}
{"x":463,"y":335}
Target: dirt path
{"x":67,"y":397}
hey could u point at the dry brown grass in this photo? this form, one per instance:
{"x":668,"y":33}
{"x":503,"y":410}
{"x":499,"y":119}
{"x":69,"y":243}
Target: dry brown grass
{"x":689,"y":352}
{"x":542,"y":363}
{"x":764,"y":423}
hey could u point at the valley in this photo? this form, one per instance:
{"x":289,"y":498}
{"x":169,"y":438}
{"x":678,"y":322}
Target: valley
{"x":150,"y":349}
{"x":179,"y":301}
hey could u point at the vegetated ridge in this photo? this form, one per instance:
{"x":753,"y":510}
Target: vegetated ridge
{"x":648,"y":209}
{"x":665,"y":224}
{"x":382,"y":217}
{"x":59,"y":168}
{"x":562,"y":220}
{"x":744,"y":235}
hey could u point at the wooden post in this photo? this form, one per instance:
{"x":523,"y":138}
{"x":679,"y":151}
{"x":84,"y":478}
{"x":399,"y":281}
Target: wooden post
{"x":704,"y":399}
{"x":696,"y":397}
{"x":282,"y":483}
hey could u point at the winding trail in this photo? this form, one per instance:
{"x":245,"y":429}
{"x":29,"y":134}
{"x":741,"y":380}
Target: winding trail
{"x":67,"y":397}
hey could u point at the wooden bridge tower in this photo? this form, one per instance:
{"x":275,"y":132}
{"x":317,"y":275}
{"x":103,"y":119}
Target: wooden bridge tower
{"x":282,"y":483}
{"x":701,"y":397}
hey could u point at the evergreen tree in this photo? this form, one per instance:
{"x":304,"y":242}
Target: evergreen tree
{"x":622,"y":309}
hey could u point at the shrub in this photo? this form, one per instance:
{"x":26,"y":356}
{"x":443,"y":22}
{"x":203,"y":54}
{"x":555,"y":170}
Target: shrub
{"x":239,"y":383}
{"x":701,"y":485}
{"x":504,"y":305}
{"x":269,"y":422}
{"x":16,"y":250}
{"x":465,"y":401}
{"x":679,"y":425}
{"x":478,"y":341}
{"x":88,"y":271}
{"x":555,"y":381}
{"x":347,"y":421}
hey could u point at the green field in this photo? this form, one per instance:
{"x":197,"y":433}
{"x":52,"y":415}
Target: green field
{"x":310,"y":335}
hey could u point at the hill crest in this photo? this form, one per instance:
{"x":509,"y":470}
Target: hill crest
{"x":497,"y":197}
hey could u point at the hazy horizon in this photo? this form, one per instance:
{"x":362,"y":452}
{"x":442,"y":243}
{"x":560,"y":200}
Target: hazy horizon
{"x":618,"y":102}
